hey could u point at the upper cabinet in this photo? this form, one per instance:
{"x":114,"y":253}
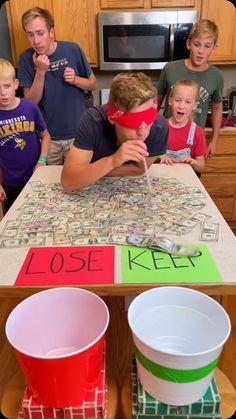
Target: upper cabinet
{"x":174,"y":3}
{"x":223,"y":13}
{"x":15,"y":10}
{"x":147,"y":4}
{"x":75,"y":20}
{"x":122,"y":4}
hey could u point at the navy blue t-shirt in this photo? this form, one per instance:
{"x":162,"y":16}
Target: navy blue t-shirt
{"x":97,"y":134}
{"x":62,"y":104}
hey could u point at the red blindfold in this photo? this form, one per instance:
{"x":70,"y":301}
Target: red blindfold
{"x":133,"y":120}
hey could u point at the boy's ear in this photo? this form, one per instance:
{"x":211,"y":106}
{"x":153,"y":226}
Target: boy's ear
{"x":16,"y":84}
{"x":214,"y":48}
{"x":111,"y":122}
{"x":188,"y":44}
{"x":51,"y":33}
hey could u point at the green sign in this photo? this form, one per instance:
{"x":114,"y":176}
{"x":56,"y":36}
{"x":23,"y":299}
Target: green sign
{"x":143,"y":265}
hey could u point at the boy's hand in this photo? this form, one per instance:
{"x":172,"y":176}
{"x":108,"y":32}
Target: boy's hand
{"x":69,"y":75}
{"x":211,"y":149}
{"x":131,"y":150}
{"x":3,"y":195}
{"x":39,"y":164}
{"x":41,"y":62}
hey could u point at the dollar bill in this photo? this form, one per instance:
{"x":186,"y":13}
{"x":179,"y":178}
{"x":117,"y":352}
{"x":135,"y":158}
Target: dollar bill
{"x":164,"y":244}
{"x":209,"y":231}
{"x":139,"y":241}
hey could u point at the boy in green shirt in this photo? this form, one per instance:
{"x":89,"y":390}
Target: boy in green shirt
{"x":201,"y":43}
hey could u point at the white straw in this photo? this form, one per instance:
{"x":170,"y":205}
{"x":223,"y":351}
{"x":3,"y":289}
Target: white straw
{"x":147,"y":176}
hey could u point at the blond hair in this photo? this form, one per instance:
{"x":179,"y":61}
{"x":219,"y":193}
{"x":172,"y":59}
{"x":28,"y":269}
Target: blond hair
{"x":35,"y":12}
{"x":184,"y":83}
{"x":204,"y":28}
{"x":7,"y":69}
{"x":130,"y":90}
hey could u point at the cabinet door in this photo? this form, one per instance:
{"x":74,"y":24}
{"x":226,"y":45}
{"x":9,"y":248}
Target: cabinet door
{"x":15,"y":10}
{"x":121,"y":4}
{"x":222,"y":189}
{"x":223,"y":13}
{"x":173,"y":3}
{"x":219,"y":176}
{"x":135,"y":4}
{"x":75,"y":20}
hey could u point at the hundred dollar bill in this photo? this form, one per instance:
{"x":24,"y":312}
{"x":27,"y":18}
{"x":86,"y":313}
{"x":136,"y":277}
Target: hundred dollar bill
{"x":164,"y":244}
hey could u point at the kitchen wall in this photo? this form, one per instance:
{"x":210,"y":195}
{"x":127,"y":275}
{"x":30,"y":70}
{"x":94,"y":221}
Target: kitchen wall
{"x":104,"y":77}
{"x":229,"y":77}
{"x":5,"y":46}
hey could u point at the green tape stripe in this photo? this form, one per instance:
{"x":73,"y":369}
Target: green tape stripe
{"x":174,"y":375}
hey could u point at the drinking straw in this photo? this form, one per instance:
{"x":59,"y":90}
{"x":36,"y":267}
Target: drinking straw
{"x":147,"y":175}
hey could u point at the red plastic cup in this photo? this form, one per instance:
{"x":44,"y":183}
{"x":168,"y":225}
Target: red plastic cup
{"x":58,"y":336}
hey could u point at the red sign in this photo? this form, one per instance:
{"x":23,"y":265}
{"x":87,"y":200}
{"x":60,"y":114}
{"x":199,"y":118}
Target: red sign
{"x":68,"y":266}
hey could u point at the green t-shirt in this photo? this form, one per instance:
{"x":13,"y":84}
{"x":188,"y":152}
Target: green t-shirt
{"x":211,"y":86}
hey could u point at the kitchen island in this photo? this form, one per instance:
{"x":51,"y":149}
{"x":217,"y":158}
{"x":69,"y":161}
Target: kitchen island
{"x":219,"y":177}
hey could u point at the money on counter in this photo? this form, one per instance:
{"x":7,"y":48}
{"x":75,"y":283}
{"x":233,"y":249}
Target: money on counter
{"x":209,"y":231}
{"x":163,"y":244}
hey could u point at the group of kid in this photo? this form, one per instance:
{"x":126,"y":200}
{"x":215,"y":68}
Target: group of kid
{"x":51,"y":123}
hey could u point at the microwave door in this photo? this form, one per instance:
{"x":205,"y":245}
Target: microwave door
{"x":181,"y":33}
{"x":139,"y":46}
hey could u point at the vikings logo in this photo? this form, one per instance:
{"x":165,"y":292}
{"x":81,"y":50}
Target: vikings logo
{"x":20,"y":143}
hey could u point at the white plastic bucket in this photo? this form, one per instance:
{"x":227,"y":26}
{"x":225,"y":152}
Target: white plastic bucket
{"x":178,"y":336}
{"x":58,"y":336}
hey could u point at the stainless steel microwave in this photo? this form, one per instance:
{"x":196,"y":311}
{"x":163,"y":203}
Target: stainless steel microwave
{"x":143,"y":40}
